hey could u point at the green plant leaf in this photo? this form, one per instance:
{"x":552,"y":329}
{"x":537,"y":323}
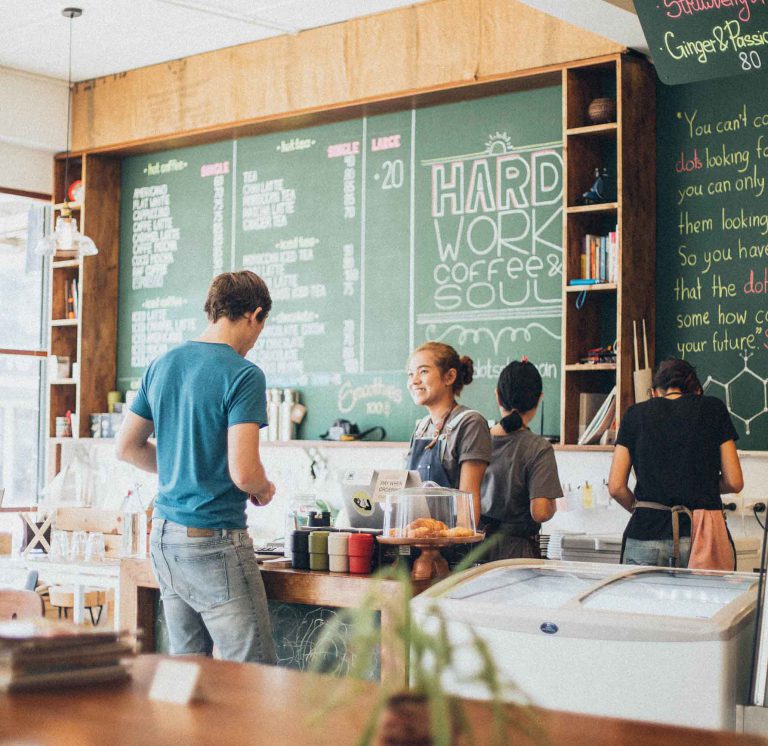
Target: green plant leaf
{"x":428,"y":653}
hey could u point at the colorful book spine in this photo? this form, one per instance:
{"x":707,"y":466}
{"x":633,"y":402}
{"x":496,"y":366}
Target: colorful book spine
{"x":599,"y":257}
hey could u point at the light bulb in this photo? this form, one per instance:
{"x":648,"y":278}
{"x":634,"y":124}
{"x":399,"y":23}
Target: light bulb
{"x":66,"y":242}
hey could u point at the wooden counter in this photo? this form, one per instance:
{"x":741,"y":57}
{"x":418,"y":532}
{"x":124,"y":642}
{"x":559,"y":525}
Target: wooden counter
{"x":138,"y":590}
{"x":244,"y":703}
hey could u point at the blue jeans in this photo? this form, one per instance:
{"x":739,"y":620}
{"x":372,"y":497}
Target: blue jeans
{"x":656,"y":552}
{"x":212,"y":593}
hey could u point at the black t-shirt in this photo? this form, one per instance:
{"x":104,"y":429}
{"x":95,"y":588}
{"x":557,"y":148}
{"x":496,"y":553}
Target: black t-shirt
{"x":674,"y":444}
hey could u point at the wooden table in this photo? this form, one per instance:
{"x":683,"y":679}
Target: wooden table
{"x":138,"y":589}
{"x":249,"y":704}
{"x":78,"y":575}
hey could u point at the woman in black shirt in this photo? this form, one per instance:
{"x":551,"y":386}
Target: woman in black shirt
{"x":683,"y":450}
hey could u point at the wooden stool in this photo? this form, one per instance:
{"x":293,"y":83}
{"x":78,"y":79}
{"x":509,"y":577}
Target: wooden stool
{"x":63,"y":598}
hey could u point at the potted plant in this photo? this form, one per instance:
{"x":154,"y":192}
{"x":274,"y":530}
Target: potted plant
{"x":421,"y":712}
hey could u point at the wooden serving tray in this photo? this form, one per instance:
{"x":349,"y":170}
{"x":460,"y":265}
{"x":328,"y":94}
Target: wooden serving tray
{"x":431,"y":541}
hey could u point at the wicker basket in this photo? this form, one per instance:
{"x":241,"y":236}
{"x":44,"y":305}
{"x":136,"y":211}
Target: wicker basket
{"x":602,"y":111}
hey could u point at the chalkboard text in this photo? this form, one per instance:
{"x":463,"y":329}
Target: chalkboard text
{"x":678,"y":8}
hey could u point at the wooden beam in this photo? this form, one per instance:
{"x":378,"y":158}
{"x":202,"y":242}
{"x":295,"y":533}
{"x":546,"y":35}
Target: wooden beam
{"x":32,"y":353}
{"x":627,"y":5}
{"x":422,"y":48}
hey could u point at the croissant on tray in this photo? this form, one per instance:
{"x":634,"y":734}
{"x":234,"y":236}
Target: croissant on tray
{"x":431,"y":528}
{"x":457,"y":532}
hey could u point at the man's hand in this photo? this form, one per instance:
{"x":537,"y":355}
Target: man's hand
{"x":133,"y":444}
{"x":264,"y":497}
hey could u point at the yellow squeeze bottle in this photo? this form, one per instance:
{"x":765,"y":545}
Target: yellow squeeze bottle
{"x":587,"y":501}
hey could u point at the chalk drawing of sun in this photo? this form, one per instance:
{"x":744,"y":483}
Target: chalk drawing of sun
{"x":498,"y":144}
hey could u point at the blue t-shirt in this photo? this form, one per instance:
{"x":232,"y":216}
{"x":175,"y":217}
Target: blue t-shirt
{"x":193,"y":394}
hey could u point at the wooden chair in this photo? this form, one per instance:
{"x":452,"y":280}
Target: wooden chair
{"x":19,"y":605}
{"x":31,"y":582}
{"x":63,"y":598}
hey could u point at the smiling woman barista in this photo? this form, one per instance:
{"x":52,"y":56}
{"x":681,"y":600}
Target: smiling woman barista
{"x":452,"y":444}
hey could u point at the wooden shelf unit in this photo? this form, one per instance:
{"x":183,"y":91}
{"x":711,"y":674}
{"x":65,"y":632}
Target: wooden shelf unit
{"x":626,"y":147}
{"x":89,"y":337}
{"x":601,"y":314}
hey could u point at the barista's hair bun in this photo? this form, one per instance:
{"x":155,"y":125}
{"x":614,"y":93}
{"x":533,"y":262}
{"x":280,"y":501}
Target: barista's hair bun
{"x":466,"y":370}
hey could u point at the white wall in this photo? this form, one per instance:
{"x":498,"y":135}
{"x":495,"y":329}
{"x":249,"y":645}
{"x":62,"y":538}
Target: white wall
{"x":25,"y":169}
{"x":289,"y":467}
{"x":33,"y":120}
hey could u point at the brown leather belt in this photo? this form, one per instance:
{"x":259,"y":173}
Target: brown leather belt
{"x":199,"y":532}
{"x":675,"y":510}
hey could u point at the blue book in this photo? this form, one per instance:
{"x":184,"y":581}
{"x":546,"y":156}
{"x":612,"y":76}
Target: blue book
{"x":602,"y":258}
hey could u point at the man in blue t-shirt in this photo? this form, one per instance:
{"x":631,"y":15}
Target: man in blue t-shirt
{"x":206,"y":403}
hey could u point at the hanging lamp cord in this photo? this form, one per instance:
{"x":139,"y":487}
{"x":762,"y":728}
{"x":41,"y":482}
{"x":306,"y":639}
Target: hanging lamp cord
{"x":69,"y":111}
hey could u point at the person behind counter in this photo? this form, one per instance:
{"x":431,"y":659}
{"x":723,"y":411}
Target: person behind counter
{"x":522,"y":483}
{"x":206,"y":404}
{"x":682,"y":447}
{"x":451,"y":445}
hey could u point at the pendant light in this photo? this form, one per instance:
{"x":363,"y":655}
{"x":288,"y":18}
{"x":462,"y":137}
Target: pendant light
{"x":66,"y":242}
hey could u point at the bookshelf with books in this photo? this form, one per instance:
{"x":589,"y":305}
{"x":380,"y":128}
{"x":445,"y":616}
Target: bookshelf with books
{"x":609,"y":230}
{"x":83,"y":301}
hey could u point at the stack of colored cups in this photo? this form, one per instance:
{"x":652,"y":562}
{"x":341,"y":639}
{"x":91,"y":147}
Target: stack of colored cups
{"x":338,"y":552}
{"x":318,"y":550}
{"x":300,"y":550}
{"x":360,"y":553}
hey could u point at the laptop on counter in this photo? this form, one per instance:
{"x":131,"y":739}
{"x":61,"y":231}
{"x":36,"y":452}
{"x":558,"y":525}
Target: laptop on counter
{"x":364,"y":492}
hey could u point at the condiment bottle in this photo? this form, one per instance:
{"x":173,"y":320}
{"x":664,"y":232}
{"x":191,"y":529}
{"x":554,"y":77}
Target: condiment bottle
{"x":273,"y":414}
{"x":134,"y":527}
{"x":287,"y":428}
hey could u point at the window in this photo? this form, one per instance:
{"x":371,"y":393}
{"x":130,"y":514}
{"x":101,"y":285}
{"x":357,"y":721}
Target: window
{"x":22,"y":349}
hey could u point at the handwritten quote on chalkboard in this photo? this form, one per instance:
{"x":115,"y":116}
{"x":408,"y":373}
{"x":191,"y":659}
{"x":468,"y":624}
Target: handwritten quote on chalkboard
{"x":712,"y":255}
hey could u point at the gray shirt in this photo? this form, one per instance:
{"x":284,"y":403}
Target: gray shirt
{"x":467,"y":440}
{"x":523,"y":466}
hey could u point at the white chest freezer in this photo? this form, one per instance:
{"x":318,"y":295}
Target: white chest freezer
{"x":659,"y":644}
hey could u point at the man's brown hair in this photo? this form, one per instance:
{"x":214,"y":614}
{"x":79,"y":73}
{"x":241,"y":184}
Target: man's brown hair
{"x":234,"y":294}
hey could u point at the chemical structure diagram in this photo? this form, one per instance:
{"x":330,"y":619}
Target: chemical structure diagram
{"x":751,"y":388}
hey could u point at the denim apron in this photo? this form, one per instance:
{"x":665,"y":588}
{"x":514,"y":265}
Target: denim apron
{"x":429,"y":461}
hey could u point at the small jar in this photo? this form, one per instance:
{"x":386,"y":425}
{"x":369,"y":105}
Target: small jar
{"x":318,"y":550}
{"x":320,"y":518}
{"x":63,"y":427}
{"x":338,"y":552}
{"x":300,"y":550}
{"x":297,"y":515}
{"x":360,"y":553}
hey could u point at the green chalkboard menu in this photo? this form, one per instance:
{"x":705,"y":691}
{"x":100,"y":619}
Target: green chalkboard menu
{"x":712,"y":251}
{"x":692,"y":40}
{"x":374,"y":235}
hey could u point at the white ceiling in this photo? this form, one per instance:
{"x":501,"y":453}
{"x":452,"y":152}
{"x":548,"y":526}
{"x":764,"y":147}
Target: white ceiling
{"x":117,"y":35}
{"x":613,"y":19}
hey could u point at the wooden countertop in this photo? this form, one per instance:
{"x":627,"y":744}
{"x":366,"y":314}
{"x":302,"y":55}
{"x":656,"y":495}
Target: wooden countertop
{"x":245,"y":703}
{"x":283,"y":583}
